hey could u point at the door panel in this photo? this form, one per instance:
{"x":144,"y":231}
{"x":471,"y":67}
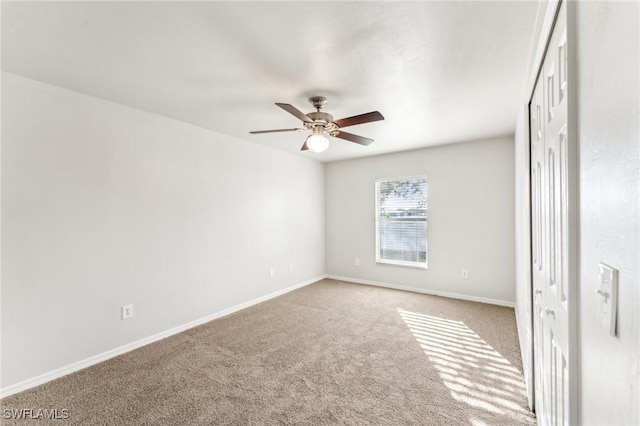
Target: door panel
{"x":538,"y":176}
{"x":550,"y":231}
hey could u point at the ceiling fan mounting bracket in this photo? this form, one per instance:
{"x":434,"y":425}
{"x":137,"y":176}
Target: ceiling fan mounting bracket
{"x":318,"y":102}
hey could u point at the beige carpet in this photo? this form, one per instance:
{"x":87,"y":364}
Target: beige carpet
{"x":329,"y":353}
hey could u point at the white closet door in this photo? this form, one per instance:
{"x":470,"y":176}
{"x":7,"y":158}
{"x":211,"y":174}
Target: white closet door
{"x":550,"y":231}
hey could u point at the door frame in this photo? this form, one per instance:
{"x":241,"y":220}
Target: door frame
{"x":548,"y":24}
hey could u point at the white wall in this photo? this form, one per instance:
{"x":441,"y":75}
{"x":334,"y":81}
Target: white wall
{"x":609,"y":144}
{"x":104,"y":205}
{"x":471,"y":213}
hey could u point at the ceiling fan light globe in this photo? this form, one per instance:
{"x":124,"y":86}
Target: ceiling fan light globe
{"x":317,"y":142}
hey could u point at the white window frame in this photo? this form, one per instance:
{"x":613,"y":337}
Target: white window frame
{"x":404,"y":263}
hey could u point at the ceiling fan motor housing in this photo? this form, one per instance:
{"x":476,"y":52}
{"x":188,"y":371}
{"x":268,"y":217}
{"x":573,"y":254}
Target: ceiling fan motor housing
{"x":320,"y":119}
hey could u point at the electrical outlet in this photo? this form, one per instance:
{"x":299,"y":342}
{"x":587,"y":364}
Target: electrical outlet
{"x":356,"y":262}
{"x":127,"y":311}
{"x":465,"y":273}
{"x":291,"y":267}
{"x":272,"y":272}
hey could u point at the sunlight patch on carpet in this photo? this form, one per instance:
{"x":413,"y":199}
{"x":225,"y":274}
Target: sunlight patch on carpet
{"x":474,"y":372}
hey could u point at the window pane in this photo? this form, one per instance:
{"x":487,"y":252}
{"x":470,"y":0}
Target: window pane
{"x":401,"y":221}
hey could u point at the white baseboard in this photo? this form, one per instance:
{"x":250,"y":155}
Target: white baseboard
{"x":88,"y":362}
{"x":425,"y":291}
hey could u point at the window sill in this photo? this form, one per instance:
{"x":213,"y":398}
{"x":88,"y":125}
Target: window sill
{"x":402,"y":265}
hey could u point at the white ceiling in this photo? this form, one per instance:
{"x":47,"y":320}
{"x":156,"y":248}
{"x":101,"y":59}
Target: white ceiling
{"x":440,"y":72}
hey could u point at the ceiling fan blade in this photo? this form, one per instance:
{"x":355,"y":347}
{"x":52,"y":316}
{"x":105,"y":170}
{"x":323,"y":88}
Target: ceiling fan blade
{"x":295,"y":111}
{"x":255,"y":132}
{"x":304,"y":147}
{"x":353,"y":138}
{"x":359,"y":119}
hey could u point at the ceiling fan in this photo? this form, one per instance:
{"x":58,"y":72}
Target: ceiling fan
{"x":320,"y":122}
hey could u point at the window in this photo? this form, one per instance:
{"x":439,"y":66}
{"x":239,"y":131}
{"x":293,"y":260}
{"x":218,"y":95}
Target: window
{"x":401,"y":221}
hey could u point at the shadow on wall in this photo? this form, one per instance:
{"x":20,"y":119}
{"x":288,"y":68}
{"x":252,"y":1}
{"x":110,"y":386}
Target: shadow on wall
{"x":475,"y":373}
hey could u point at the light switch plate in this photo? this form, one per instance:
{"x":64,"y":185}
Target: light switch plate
{"x":607,"y":295}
